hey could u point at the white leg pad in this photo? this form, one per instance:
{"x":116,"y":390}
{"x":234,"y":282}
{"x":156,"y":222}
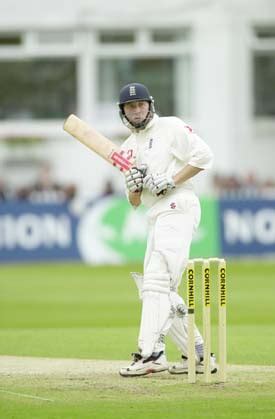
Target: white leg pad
{"x":159,"y":283}
{"x":155,"y":311}
{"x":159,"y":345}
{"x":138,"y":278}
{"x":179,"y":330}
{"x":155,"y":303}
{"x":175,"y":325}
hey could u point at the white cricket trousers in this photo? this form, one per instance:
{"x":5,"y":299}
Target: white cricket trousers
{"x":168,"y":245}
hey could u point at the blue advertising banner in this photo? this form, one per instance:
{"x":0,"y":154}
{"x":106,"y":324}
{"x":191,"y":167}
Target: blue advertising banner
{"x":247,"y":226}
{"x":37,"y":232}
{"x":108,"y":231}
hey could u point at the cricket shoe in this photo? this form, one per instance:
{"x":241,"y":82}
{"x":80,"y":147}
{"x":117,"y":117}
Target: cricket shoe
{"x":183,"y":367}
{"x":144,"y":366}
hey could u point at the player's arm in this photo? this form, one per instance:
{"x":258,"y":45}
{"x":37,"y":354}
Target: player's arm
{"x":186,"y":173}
{"x":189,"y":148}
{"x":134,"y":198}
{"x":161,"y":183}
{"x":200,"y":158}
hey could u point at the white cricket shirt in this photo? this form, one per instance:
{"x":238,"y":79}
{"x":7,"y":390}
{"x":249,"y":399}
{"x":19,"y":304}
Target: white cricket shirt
{"x":167,"y":145}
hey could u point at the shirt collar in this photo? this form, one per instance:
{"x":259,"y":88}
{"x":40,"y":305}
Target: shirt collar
{"x":149,"y":125}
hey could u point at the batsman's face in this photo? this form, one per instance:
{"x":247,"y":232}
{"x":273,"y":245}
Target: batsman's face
{"x":136,"y":112}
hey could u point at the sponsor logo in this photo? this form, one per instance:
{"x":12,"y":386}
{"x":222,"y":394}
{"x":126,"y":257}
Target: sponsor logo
{"x":110,"y":231}
{"x":206,"y":287}
{"x":173,"y":205}
{"x":150,"y":143}
{"x":29,"y":231}
{"x":222,"y":287}
{"x":247,"y":227}
{"x":191,"y":291}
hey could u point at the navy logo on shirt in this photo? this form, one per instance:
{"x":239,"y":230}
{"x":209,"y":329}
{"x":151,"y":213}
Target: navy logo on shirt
{"x":151,"y":143}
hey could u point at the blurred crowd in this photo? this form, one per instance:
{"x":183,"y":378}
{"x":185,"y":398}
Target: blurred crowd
{"x":39,"y":192}
{"x":45,"y":190}
{"x":248,"y":186}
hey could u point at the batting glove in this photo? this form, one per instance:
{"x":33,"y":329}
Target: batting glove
{"x":134,"y":179}
{"x":159,"y":184}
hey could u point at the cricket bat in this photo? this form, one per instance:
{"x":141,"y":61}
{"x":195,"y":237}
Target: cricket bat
{"x":96,"y":142}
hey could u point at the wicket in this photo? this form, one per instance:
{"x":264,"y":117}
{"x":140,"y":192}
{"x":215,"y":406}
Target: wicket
{"x":206,"y":317}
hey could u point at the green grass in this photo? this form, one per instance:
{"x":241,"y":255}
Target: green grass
{"x":153,"y":397}
{"x":75,"y":311}
{"x":82,"y":312}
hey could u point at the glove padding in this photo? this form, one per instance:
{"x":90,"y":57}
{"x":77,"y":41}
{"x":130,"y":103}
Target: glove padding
{"x":158,"y":184}
{"x":134,"y":179}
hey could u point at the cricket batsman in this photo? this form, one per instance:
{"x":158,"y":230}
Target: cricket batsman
{"x":167,"y":155}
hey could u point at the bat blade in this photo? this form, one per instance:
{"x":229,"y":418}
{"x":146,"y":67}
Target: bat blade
{"x":96,"y":142}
